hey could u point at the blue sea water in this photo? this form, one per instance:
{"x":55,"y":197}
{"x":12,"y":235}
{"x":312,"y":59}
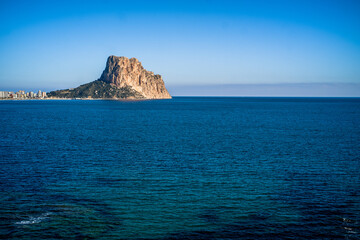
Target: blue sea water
{"x":185,"y":168}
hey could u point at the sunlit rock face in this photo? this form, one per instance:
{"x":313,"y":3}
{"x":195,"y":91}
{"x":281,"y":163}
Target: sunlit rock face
{"x":124,"y":72}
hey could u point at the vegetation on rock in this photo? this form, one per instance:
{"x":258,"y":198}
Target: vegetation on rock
{"x":98,"y":90}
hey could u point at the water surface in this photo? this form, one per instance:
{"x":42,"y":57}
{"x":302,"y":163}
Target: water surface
{"x":186,"y":168}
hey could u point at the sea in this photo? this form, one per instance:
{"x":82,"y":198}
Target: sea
{"x":184,"y":168}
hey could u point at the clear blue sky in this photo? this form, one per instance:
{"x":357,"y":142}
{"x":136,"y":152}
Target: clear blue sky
{"x":61,"y":44}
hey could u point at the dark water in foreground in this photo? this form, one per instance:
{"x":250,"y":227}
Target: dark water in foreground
{"x":187,"y":168}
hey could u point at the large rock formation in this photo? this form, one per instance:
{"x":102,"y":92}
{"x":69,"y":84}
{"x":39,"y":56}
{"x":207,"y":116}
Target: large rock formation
{"x":122,"y":78}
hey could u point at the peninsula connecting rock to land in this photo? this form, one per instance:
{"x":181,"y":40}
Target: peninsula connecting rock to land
{"x":123,"y":78}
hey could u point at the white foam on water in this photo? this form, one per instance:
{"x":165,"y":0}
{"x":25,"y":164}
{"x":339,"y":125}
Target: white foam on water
{"x":33,"y":220}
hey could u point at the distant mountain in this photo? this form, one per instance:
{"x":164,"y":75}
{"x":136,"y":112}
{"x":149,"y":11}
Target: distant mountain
{"x":122,"y":78}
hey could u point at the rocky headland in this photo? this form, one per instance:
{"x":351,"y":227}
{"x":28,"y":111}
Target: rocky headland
{"x":123,"y":78}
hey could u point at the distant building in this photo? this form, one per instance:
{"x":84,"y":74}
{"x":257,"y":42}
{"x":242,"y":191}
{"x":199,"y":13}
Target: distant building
{"x":21,"y":94}
{"x":4,"y":94}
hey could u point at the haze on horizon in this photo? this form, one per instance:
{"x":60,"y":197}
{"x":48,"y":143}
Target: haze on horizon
{"x":217,"y":48}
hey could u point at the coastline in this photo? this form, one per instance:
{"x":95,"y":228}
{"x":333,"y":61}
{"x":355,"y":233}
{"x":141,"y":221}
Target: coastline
{"x":82,"y":99}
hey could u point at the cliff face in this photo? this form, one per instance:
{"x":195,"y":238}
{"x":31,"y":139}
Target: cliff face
{"x":122,"y":78}
{"x":123,"y":72}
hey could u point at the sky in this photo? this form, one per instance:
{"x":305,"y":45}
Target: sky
{"x":229,"y":48}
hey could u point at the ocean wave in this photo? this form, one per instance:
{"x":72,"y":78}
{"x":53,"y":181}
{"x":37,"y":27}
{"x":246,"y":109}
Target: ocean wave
{"x":33,"y":220}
